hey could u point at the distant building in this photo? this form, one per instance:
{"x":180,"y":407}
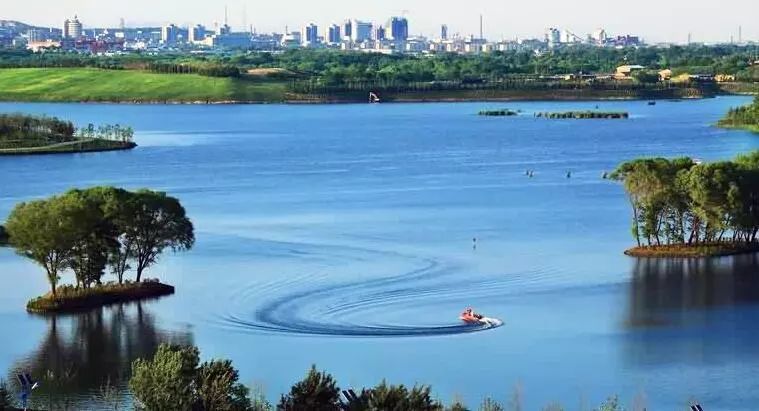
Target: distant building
{"x":197,"y":33}
{"x":553,"y":37}
{"x":347,"y":29}
{"x":626,"y":71}
{"x":72,"y":29}
{"x":310,"y":35}
{"x":379,"y":33}
{"x":398,"y":29}
{"x":600,"y":36}
{"x":333,"y":34}
{"x":169,"y":34}
{"x":361,"y":31}
{"x":444,"y":32}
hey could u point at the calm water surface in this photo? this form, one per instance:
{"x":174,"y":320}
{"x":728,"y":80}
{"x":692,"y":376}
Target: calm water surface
{"x":343,"y":236}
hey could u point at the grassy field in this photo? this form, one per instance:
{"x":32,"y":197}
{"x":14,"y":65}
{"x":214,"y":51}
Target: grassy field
{"x":94,"y":85}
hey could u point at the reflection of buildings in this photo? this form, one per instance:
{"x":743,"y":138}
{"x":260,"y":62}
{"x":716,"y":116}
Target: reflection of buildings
{"x":80,"y":353}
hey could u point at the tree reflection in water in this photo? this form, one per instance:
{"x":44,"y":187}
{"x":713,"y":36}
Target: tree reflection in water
{"x":693,"y":311}
{"x":86,"y":358}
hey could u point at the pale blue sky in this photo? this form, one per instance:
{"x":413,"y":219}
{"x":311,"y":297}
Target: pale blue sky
{"x":655,"y":20}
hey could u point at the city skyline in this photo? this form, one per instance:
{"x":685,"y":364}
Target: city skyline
{"x":668,"y":22}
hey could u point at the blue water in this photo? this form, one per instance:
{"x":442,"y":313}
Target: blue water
{"x":343,"y":236}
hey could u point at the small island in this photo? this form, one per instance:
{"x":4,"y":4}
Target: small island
{"x":690,"y":209}
{"x":86,"y":232}
{"x":498,"y":113}
{"x":582,"y":115}
{"x":22,"y":134}
{"x":745,"y":118}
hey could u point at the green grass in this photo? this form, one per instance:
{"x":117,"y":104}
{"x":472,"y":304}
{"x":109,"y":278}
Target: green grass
{"x":94,"y":85}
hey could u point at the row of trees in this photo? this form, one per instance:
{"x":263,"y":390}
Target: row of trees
{"x":90,"y":230}
{"x":681,"y":202}
{"x":203,"y":69}
{"x":113,"y":132}
{"x":746,"y":116}
{"x":173,"y":380}
{"x":15,"y":126}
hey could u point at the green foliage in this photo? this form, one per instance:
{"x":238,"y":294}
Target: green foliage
{"x":23,"y":129}
{"x":678,"y":201}
{"x":6,"y":397}
{"x":743,"y":117}
{"x":172,"y":380}
{"x":318,"y":391}
{"x":218,"y":388}
{"x":84,"y":230}
{"x":166,"y":382}
{"x":388,"y":397}
{"x":457,"y":406}
{"x":489,"y":404}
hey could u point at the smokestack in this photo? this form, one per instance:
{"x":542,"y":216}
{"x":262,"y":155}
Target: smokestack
{"x":482,"y":35}
{"x":226,"y":15}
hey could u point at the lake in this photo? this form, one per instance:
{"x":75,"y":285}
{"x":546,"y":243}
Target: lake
{"x":351,"y":236}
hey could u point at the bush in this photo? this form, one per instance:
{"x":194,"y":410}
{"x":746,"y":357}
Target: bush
{"x":318,"y":391}
{"x":6,"y":398}
{"x":172,"y":380}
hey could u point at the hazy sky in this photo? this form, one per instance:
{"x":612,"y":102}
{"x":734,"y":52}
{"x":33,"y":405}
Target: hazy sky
{"x":654,"y":20}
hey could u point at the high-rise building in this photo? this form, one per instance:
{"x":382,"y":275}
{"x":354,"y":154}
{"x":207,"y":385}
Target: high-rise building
{"x":444,"y":32}
{"x":197,"y":33}
{"x":333,"y":34}
{"x":379,"y":33}
{"x":600,"y":36}
{"x":398,"y":27}
{"x":72,"y":29}
{"x":361,"y":31}
{"x":348,"y":29}
{"x":310,"y":35}
{"x":169,"y":34}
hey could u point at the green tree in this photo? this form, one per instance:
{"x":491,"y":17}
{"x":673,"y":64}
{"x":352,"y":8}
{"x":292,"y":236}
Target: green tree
{"x":46,"y":231}
{"x":166,"y":382}
{"x":318,"y":391}
{"x":388,"y":397}
{"x":489,"y":404}
{"x":6,"y":397}
{"x":159,"y":222}
{"x":218,"y":387}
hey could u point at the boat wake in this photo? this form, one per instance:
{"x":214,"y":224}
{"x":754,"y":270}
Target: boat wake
{"x":378,"y":307}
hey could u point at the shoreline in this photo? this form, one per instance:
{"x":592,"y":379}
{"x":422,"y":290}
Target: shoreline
{"x":410,"y":100}
{"x":73,"y":301}
{"x":707,"y":250}
{"x":53,"y":150}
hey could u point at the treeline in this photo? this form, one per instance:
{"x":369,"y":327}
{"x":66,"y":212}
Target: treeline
{"x":17,"y":126}
{"x":19,"y":131}
{"x":174,"y":379}
{"x":338,"y":67}
{"x":314,"y":86}
{"x":743,"y":117}
{"x":203,"y":69}
{"x":90,"y":230}
{"x":681,"y":202}
{"x":113,"y":132}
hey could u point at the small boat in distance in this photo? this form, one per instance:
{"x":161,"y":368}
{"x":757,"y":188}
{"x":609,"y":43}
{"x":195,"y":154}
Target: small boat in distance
{"x":651,"y":103}
{"x":373,"y":98}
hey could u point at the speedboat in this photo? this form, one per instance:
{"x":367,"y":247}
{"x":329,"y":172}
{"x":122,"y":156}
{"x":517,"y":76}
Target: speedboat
{"x":471,"y":317}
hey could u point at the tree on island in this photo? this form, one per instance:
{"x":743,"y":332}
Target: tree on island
{"x":681,"y":202}
{"x":87,"y":230}
{"x":159,"y":222}
{"x":46,"y":231}
{"x":317,"y":391}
